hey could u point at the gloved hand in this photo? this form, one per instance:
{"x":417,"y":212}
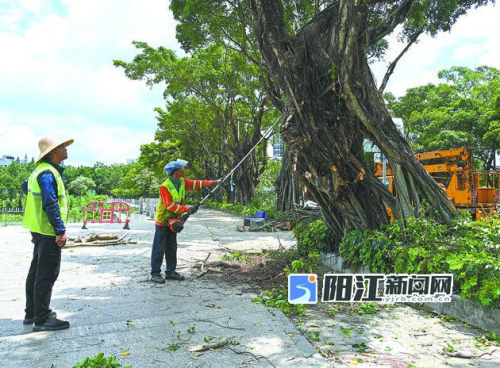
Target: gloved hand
{"x":193,"y":209}
{"x":177,"y":226}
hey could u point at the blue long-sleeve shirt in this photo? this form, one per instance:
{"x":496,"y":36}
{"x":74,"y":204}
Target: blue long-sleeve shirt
{"x":48,"y":189}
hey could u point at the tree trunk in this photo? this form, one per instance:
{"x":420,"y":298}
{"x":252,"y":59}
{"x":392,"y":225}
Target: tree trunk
{"x":246,"y":178}
{"x":490,"y":162}
{"x":333,"y":105}
{"x":287,"y":187}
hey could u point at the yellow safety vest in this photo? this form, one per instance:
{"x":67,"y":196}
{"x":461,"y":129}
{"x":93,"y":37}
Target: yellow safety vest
{"x":162,"y":213}
{"x":35,"y":218}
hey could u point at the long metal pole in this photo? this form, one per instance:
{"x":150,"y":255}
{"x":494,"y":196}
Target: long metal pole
{"x":266,"y":135}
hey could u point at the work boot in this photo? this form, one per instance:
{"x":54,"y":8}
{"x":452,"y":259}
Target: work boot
{"x":51,"y":324}
{"x":174,"y":276}
{"x":157,"y":279}
{"x":29,"y":320}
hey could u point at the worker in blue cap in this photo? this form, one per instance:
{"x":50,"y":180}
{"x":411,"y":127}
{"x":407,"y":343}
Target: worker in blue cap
{"x":167,"y":219}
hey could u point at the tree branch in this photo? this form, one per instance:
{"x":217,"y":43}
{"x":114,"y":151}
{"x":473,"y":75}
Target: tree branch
{"x":391,"y":67}
{"x":239,"y":48}
{"x":388,"y":25}
{"x":257,"y":121}
{"x":320,"y":22}
{"x":267,"y":16}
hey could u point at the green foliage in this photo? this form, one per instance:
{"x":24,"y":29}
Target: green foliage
{"x":269,"y":177}
{"x":173,"y":347}
{"x":469,"y":250}
{"x":278,"y":298}
{"x":313,"y":335}
{"x":99,"y":361}
{"x":207,"y":22}
{"x":235,"y":256}
{"x":77,"y":205}
{"x":333,"y":310}
{"x":131,"y":180}
{"x":202,"y":23}
{"x":297,"y":266}
{"x":138,"y":181}
{"x":105,"y":177}
{"x":346,"y":331}
{"x":462,"y":111}
{"x":313,"y":236}
{"x":81,"y":185}
{"x":11,"y":178}
{"x":367,"y":308}
{"x":10,"y":218}
{"x":246,"y":210}
{"x":215,"y":110}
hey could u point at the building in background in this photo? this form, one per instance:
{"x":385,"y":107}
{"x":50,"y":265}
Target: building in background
{"x":275,"y":148}
{"x":6,"y":160}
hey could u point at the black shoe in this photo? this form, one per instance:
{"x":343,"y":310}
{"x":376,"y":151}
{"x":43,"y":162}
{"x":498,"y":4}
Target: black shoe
{"x":157,"y":279}
{"x":30,"y":320}
{"x":174,"y":276}
{"x":51,"y":324}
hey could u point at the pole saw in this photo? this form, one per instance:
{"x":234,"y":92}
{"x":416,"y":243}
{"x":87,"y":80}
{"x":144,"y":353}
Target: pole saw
{"x":178,"y":225}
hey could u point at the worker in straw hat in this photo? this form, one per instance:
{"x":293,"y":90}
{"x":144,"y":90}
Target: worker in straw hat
{"x":167,"y":219}
{"x":45,"y":216}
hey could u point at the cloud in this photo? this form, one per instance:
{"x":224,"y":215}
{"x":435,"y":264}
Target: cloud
{"x":473,"y":41}
{"x":58,"y":76}
{"x":94,"y":140}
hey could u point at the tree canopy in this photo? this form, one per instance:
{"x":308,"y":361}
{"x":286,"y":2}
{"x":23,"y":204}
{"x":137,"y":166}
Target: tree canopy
{"x":215,"y":110}
{"x":314,"y":61}
{"x":461,"y":111}
{"x":81,"y":185}
{"x":311,"y":60}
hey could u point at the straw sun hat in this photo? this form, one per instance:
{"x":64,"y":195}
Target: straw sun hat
{"x":47,"y":144}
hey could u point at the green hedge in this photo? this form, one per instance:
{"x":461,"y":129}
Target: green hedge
{"x":313,"y":236}
{"x":77,"y":205}
{"x":76,"y":209}
{"x":10,"y":219}
{"x":469,"y":250}
{"x":245,"y":210}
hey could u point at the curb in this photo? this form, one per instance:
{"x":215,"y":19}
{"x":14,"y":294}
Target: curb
{"x":466,"y":310}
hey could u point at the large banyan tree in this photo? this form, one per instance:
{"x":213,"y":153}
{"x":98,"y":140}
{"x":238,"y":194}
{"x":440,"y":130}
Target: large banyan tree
{"x":315,"y":61}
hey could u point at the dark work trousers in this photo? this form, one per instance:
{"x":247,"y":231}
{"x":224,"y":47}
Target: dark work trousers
{"x":42,"y":275}
{"x":164,"y":244}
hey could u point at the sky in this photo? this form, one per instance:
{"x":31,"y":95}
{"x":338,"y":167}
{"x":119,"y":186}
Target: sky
{"x":57,"y":76}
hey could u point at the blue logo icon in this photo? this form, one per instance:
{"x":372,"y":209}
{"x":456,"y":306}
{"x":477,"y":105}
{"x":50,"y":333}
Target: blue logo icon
{"x":302,"y":288}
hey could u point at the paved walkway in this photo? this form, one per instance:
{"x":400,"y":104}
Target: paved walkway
{"x":105,"y":293}
{"x":114,"y":309}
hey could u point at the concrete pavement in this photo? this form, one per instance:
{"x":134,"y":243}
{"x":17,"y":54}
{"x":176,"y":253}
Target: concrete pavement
{"x":105,"y":293}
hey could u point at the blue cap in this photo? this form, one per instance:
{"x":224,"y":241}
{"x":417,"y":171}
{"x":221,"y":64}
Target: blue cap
{"x":174,"y":165}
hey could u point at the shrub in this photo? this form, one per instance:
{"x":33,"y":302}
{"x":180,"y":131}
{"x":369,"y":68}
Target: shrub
{"x":469,"y":250}
{"x":313,"y":236}
{"x":77,"y":205}
{"x":246,"y":210}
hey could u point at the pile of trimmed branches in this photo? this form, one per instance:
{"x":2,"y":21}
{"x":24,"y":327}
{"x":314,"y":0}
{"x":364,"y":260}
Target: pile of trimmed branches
{"x":99,"y":240}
